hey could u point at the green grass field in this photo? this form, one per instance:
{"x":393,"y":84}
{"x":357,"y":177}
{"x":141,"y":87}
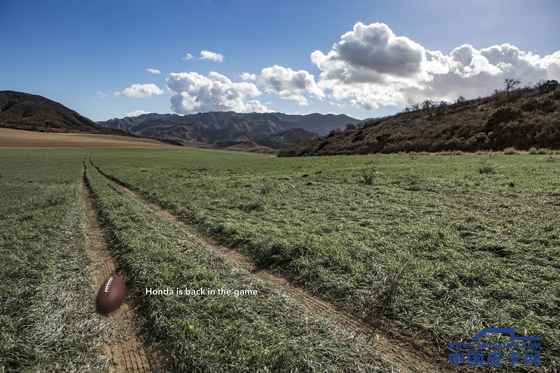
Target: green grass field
{"x":449,"y":244}
{"x":445,"y":244}
{"x":47,"y":323}
{"x":262,"y":332}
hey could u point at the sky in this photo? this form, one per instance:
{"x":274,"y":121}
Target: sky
{"x":364,"y":58}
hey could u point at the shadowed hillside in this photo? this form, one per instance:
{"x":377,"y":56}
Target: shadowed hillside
{"x":270,"y":144}
{"x":36,"y":113}
{"x":522,"y":118}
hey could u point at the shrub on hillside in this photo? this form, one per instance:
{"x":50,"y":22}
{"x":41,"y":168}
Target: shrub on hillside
{"x":455,"y":143}
{"x":476,"y":141}
{"x":383,"y":137}
{"x":548,"y":86}
{"x":546,"y":106}
{"x":372,"y":122}
{"x":359,"y":136}
{"x":479,"y":137}
{"x":504,"y":115}
{"x":530,"y":105}
{"x":323,"y":144}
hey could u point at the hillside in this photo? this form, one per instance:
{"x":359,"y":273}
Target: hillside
{"x":222,"y":130}
{"x":36,"y":113}
{"x":522,"y":118}
{"x":269,"y":144}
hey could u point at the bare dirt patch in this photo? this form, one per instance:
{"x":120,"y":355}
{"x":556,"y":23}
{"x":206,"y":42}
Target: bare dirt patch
{"x":126,"y":349}
{"x":409,"y":351}
{"x":10,"y":138}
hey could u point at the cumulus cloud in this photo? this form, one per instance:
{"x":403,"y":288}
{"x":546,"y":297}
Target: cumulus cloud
{"x":153,"y":71}
{"x":371,"y":66}
{"x":136,"y":113}
{"x":246,"y":77}
{"x":197,"y":93}
{"x":207,"y":55}
{"x":188,"y":57}
{"x":140,"y":90}
{"x":552,"y":64}
{"x":101,"y":94}
{"x":289,"y":84}
{"x":370,"y":54}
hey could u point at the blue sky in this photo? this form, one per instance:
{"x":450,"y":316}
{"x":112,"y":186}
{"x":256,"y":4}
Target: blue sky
{"x":361,"y":58}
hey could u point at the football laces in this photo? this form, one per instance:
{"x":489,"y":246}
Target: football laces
{"x":108,"y":285}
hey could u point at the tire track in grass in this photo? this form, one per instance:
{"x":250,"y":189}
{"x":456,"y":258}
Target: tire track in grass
{"x":408,"y":351}
{"x":127,"y":352}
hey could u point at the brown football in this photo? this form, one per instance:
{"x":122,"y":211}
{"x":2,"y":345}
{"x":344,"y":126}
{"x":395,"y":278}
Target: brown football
{"x":111,"y":294}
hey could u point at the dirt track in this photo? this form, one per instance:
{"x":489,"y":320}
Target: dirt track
{"x":127,"y":352}
{"x":10,"y":138}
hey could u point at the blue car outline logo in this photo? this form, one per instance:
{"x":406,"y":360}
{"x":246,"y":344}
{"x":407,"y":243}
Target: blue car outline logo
{"x":511,"y":331}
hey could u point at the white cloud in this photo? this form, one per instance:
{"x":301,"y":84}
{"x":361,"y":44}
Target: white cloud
{"x":552,"y":64}
{"x":371,"y":66}
{"x":101,"y":94}
{"x":246,"y":77}
{"x":254,"y":106}
{"x":289,"y":84}
{"x":196,"y":93}
{"x":153,"y":71}
{"x":188,"y":57}
{"x":338,"y":104}
{"x":370,"y":54}
{"x":140,"y":90}
{"x":206,"y":55}
{"x":136,"y":113}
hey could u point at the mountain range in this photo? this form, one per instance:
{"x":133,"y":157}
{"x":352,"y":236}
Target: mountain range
{"x":255,"y":132}
{"x":258,"y":132}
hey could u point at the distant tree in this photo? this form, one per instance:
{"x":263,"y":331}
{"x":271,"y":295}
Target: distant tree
{"x":440,"y":109}
{"x":527,"y":89}
{"x":511,"y":84}
{"x":460,"y":99}
{"x":428,"y":107}
{"x":416,"y":107}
